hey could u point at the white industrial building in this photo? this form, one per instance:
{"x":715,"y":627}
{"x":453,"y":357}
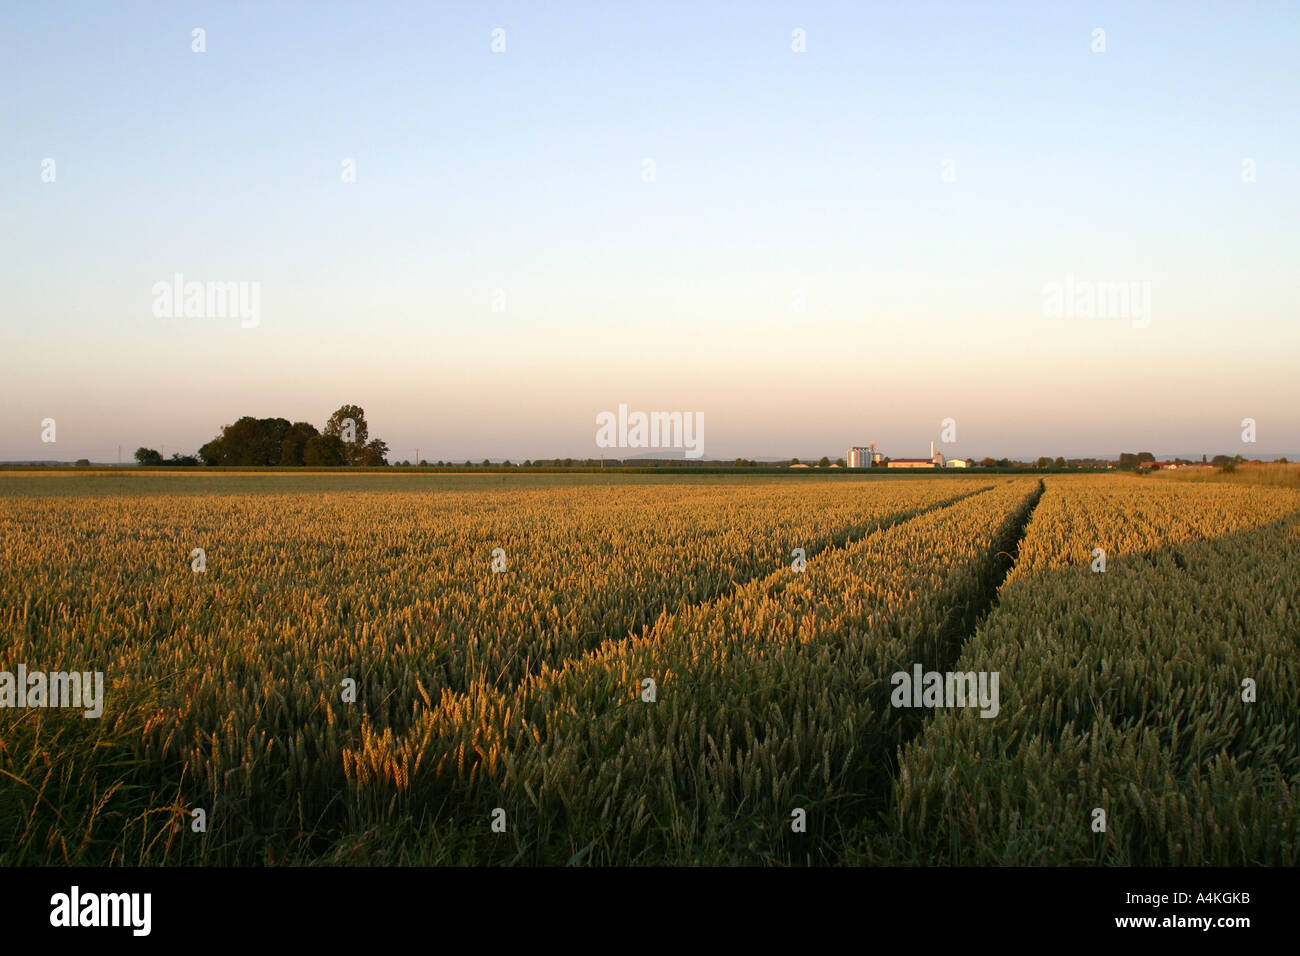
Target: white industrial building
{"x":863,"y":456}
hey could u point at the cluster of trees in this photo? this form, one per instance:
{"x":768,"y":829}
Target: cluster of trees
{"x":149,"y":456}
{"x":1229,"y":463}
{"x":1130,"y":461}
{"x":345,"y":440}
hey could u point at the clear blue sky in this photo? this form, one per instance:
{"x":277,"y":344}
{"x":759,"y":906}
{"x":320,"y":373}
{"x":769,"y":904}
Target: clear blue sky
{"x":780,"y":177}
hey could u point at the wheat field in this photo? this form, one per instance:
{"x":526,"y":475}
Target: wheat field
{"x":628,"y":670}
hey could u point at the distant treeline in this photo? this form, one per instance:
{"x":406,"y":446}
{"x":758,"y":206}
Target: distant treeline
{"x":345,"y":440}
{"x":1130,"y":461}
{"x":277,"y":442}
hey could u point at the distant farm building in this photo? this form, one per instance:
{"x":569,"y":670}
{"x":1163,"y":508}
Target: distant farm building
{"x":934,"y":461}
{"x":867,"y":456}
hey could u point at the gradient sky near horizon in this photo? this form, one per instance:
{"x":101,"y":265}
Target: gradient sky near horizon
{"x":780,"y":178}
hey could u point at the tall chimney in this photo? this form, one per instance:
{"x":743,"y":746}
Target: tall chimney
{"x":932,"y":451}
